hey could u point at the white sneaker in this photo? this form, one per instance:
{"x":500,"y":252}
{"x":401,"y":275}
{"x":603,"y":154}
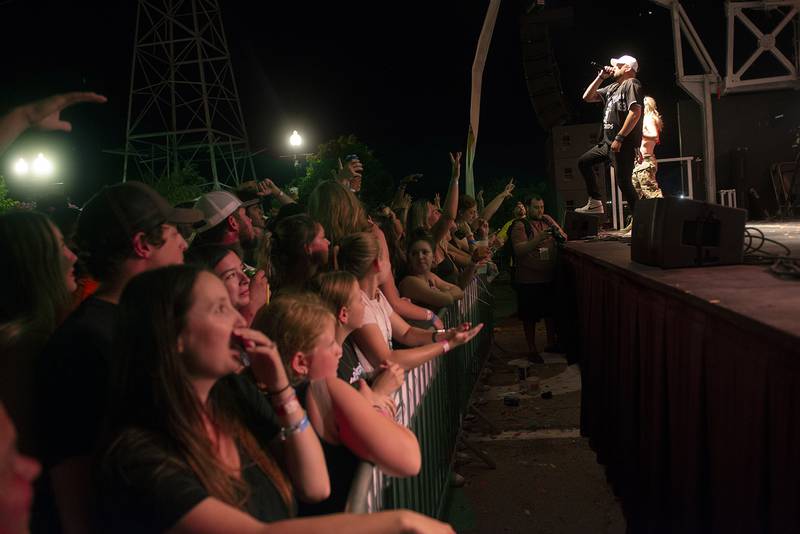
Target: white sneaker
{"x":592,"y":206}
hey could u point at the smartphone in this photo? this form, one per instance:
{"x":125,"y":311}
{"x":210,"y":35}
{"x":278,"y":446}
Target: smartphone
{"x":350,"y":157}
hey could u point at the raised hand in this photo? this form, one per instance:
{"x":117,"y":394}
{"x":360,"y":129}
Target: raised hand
{"x":267,"y":187}
{"x":437,"y":201}
{"x":455,"y":164}
{"x":479,"y":196}
{"x":509,"y":188}
{"x":345,"y":174}
{"x":45,"y":114}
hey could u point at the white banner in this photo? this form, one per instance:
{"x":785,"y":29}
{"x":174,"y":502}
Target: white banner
{"x":484,"y":41}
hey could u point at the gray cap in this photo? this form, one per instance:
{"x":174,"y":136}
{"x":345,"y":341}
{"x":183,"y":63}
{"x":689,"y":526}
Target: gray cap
{"x":218,"y":206}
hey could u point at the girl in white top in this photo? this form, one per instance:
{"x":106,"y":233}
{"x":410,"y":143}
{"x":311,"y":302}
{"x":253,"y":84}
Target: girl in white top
{"x":361,"y":255}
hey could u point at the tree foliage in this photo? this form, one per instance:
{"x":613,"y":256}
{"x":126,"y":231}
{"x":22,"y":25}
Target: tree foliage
{"x":181,"y":185}
{"x":6,"y":202}
{"x":377,"y":183}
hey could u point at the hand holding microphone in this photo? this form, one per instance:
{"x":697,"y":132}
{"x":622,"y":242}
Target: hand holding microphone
{"x":605,"y":71}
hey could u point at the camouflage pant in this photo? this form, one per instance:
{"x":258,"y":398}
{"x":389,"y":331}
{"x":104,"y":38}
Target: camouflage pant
{"x":644,"y":178}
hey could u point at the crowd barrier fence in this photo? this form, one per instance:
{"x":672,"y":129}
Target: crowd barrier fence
{"x":432,"y":403}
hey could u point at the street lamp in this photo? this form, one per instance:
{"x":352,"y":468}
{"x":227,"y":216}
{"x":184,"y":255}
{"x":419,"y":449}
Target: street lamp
{"x":40,"y":167}
{"x":21,"y":167}
{"x":295,"y":140}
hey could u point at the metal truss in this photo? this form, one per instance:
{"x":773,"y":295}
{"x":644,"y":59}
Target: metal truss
{"x":701,"y":87}
{"x":766,"y":42}
{"x":184,"y":104}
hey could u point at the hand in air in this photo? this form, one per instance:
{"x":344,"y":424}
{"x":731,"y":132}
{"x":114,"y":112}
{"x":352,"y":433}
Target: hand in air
{"x":45,"y":114}
{"x":455,"y":164}
{"x":509,"y":188}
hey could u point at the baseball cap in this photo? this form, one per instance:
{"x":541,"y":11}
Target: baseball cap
{"x":217,"y":206}
{"x":626,"y":60}
{"x":121,"y":210}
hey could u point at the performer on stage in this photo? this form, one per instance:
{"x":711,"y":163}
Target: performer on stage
{"x":644,"y":174}
{"x":622,"y":130}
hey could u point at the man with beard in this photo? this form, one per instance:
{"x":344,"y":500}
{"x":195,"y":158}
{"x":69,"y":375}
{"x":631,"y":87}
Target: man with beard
{"x":533,"y":241}
{"x":225,"y":221}
{"x":622,"y":130}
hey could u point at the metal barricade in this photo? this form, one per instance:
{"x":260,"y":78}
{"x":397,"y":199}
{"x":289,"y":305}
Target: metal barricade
{"x":432,"y":403}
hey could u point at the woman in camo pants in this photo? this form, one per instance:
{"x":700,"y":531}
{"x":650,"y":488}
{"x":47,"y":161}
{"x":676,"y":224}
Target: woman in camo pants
{"x":644,"y":174}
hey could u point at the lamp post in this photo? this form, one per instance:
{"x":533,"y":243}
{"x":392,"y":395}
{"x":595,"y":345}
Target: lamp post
{"x":295,"y":141}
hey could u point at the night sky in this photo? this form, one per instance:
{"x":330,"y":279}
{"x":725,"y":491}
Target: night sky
{"x":397,"y":75}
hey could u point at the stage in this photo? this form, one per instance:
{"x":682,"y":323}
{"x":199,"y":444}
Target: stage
{"x":691,"y":385}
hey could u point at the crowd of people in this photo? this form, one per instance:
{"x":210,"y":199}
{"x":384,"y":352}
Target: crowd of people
{"x":205,"y":368}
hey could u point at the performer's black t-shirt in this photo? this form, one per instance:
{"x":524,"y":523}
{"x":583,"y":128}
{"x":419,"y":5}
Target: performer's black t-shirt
{"x":618,"y":99}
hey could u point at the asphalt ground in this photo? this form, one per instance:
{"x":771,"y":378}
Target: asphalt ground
{"x":546,"y":478}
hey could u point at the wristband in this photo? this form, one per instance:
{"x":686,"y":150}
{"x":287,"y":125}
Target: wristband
{"x":269,"y":393}
{"x":294,"y":429}
{"x":288,"y":407}
{"x":619,"y":138}
{"x":445,"y":346}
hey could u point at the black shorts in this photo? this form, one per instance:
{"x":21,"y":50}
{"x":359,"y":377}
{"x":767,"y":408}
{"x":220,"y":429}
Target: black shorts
{"x":534,"y":301}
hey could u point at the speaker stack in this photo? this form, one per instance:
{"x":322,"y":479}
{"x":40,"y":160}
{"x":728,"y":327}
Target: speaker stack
{"x":539,"y":64}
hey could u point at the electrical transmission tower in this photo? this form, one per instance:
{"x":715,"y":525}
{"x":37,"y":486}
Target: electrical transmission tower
{"x":184,"y":105}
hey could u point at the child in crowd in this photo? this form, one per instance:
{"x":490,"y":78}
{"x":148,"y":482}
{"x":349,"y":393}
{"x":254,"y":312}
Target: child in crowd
{"x":351,"y":424}
{"x":361,"y":255}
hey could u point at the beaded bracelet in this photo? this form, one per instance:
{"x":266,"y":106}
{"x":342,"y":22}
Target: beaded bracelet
{"x":295,"y":428}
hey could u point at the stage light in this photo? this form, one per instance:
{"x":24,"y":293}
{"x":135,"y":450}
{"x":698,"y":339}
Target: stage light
{"x":42,"y":166}
{"x":295,"y":139}
{"x":21,"y":167}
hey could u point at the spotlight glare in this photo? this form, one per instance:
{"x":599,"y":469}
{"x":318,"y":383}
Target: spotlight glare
{"x":21,"y":167}
{"x":42,"y":166}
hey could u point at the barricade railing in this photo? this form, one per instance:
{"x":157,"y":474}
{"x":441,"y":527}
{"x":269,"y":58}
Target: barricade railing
{"x":432,"y":403}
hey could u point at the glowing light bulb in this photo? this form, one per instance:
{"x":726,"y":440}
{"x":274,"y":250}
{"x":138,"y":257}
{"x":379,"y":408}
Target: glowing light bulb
{"x":21,"y":167}
{"x":295,"y":139}
{"x":42,"y":166}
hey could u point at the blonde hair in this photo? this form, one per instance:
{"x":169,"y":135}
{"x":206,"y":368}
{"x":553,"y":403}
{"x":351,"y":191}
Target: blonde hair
{"x":337,"y":209}
{"x":294,"y":322}
{"x":334,"y":289}
{"x":650,"y":107}
{"x":356,"y":253}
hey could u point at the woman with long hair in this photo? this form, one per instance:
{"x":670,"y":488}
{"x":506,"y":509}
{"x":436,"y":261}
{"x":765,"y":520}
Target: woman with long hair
{"x":187,"y":439}
{"x":340,"y":291}
{"x":420,"y":284}
{"x":298,"y":250}
{"x":342,"y":214}
{"x":38,"y":279}
{"x":350,"y":424}
{"x":361,"y":255}
{"x":247,"y":294}
{"x":644,"y":174}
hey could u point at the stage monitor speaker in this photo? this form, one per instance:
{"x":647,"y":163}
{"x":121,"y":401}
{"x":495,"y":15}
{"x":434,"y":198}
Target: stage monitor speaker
{"x":580,"y":225}
{"x":680,"y":232}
